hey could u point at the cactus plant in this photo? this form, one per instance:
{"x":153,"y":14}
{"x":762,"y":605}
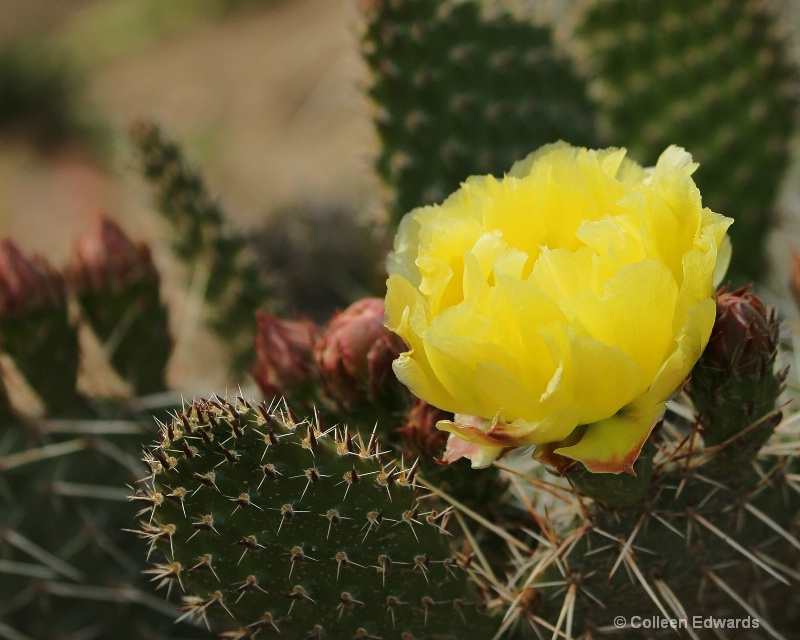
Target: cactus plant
{"x":117,"y":286}
{"x":64,"y":568}
{"x":36,"y":329}
{"x":300,"y":530}
{"x":716,"y":77}
{"x":704,"y":534}
{"x":458,"y":94}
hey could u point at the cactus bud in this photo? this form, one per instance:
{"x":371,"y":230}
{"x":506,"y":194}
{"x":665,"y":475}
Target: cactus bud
{"x":355,"y":353}
{"x":35,"y":329}
{"x":27,"y":283}
{"x":734,"y":386}
{"x":117,"y":286}
{"x":284,"y":354}
{"x":106,"y":259}
{"x":744,"y":337}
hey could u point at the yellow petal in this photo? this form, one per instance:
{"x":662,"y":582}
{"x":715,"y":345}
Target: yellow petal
{"x":596,"y":378}
{"x":613,"y":445}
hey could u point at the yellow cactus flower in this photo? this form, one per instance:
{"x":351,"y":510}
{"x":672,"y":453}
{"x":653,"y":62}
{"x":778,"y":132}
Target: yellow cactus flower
{"x":559,"y":306}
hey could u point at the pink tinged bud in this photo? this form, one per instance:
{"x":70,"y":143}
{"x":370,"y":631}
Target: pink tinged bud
{"x":355,"y":353}
{"x":743,"y":339}
{"x":27,"y":282}
{"x":107,"y":259}
{"x":284,"y":354}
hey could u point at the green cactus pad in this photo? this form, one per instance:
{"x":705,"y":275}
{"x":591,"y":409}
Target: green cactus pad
{"x":714,"y":77}
{"x":293,"y":529}
{"x":457,"y":94}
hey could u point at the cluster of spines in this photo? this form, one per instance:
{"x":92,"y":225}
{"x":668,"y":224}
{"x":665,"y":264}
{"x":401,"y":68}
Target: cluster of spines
{"x":729,"y":544}
{"x":258,"y":513}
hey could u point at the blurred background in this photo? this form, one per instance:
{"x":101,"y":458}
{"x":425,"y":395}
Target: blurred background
{"x":266,"y":97}
{"x":263,"y":95}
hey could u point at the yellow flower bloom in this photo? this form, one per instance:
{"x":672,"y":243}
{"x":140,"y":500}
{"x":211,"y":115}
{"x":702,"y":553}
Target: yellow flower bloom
{"x":559,"y":306}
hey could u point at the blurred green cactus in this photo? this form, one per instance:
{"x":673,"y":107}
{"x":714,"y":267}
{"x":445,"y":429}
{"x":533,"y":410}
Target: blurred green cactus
{"x":715,"y":77}
{"x":64,"y":568}
{"x":117,"y":286}
{"x":458,"y":94}
{"x":204,"y":238}
{"x":35,"y":328}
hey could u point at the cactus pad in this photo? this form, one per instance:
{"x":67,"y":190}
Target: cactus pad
{"x":292,"y":528}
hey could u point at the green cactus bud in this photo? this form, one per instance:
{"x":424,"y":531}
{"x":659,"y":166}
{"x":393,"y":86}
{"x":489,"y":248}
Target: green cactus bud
{"x":299,"y":530}
{"x":35,"y":329}
{"x":117,"y":286}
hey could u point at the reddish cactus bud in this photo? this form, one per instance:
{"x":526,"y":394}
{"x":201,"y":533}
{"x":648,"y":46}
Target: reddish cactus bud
{"x":35,"y":329}
{"x":106,"y":259}
{"x":419,"y":432}
{"x":284,"y":354}
{"x":117,"y":286}
{"x":743,"y":340}
{"x":27,"y":282}
{"x":734,"y":385}
{"x":355,"y":353}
